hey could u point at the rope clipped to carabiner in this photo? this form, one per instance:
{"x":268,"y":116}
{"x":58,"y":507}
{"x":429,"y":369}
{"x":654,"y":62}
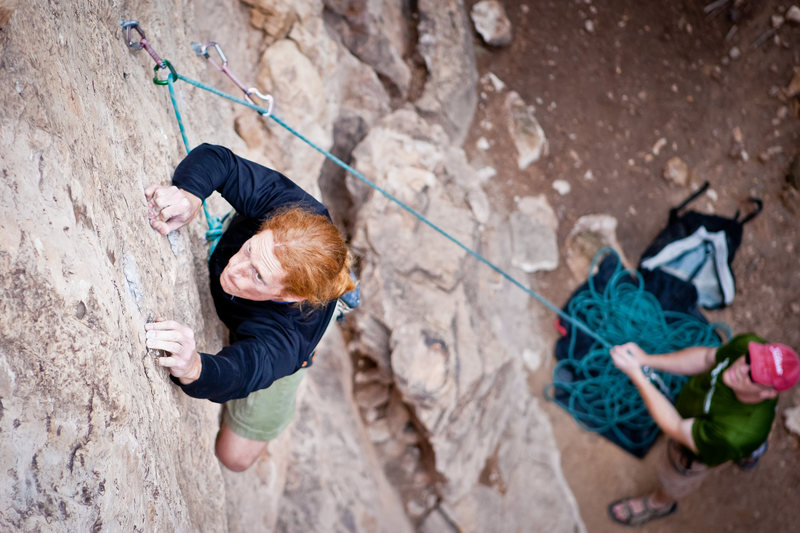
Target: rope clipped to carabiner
{"x":216,"y":224}
{"x":202,"y":51}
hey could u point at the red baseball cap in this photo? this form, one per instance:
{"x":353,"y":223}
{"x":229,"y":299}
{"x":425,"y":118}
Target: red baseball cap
{"x":775,"y":365}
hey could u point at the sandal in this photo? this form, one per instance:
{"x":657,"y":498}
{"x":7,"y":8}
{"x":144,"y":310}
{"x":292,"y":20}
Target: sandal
{"x":646,"y":514}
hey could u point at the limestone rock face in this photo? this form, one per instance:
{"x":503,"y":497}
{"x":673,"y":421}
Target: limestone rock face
{"x":375,"y":31}
{"x":276,"y":17}
{"x":445,"y":42}
{"x":94,"y":435}
{"x":450,"y":334}
{"x":292,"y":70}
{"x":323,"y":471}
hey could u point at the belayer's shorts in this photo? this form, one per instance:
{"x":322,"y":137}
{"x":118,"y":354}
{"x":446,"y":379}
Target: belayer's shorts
{"x":264,"y":413}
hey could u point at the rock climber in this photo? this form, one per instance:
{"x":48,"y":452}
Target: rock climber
{"x":275,"y":277}
{"x":723,"y":413}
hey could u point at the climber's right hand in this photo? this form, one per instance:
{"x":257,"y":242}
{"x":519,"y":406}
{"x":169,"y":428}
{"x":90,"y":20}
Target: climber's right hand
{"x":169,"y":208}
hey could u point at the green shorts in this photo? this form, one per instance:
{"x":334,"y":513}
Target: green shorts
{"x":264,"y":413}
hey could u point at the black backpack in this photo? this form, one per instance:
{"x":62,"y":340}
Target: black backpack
{"x":699,"y":248}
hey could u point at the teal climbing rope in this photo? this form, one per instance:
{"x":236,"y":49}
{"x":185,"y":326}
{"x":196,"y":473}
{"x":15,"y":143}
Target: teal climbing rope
{"x":216,"y":224}
{"x":605,"y":400}
{"x":173,"y":76}
{"x":598,"y":396}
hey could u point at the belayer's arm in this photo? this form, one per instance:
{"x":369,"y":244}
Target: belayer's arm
{"x":686,"y":362}
{"x":663,"y":412}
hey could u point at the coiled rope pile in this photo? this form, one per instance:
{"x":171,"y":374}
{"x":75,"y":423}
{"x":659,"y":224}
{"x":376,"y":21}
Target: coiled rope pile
{"x":586,"y":383}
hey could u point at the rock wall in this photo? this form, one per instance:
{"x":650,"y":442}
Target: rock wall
{"x":448,"y":337}
{"x":94,"y":435}
{"x":433,"y":427}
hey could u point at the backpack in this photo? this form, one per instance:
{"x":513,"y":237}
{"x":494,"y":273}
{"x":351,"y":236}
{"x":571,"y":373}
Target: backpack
{"x":699,"y":248}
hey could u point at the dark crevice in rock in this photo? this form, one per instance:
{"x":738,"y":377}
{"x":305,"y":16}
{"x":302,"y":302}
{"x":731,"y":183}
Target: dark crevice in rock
{"x":395,"y":96}
{"x":348,"y":131}
{"x":419,"y":70}
{"x":424,"y":481}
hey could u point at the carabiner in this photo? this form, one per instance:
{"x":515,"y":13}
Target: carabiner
{"x":202,"y":50}
{"x":172,"y":76}
{"x":132,"y":25}
{"x":265,"y":97}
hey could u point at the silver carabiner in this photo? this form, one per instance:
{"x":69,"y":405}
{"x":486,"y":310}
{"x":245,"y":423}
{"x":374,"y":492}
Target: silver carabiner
{"x":202,"y":50}
{"x":267,"y":98}
{"x":132,"y":25}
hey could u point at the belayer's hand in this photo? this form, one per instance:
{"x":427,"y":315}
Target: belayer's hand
{"x":628,"y":357}
{"x":177,"y":339}
{"x":169,"y":208}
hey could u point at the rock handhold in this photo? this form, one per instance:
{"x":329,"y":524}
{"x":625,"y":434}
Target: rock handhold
{"x":491,"y":22}
{"x":527,"y":134}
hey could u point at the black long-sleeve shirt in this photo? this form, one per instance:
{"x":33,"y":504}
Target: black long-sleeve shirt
{"x":270,"y":339}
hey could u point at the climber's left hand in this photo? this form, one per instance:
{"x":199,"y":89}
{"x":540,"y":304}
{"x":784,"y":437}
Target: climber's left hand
{"x":177,"y":339}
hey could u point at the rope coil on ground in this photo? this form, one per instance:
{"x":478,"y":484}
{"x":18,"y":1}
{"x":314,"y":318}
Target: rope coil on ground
{"x":597,"y":395}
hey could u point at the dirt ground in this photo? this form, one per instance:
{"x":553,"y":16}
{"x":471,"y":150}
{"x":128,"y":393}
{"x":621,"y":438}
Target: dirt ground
{"x":646,"y":71}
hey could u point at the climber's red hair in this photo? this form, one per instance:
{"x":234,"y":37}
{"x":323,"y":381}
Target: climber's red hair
{"x":312,"y":253}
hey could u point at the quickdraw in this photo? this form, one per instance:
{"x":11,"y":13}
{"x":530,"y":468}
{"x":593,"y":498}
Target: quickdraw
{"x":202,"y":50}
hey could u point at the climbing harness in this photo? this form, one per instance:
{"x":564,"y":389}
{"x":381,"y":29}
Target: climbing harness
{"x":643,"y":320}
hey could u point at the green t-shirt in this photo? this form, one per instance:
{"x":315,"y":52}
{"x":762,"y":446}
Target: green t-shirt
{"x":724,"y":429}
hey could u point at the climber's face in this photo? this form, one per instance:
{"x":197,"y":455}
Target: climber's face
{"x":254,"y":273}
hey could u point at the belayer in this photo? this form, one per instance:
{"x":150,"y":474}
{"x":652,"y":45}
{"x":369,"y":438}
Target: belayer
{"x":275,"y":277}
{"x":723,"y":413}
